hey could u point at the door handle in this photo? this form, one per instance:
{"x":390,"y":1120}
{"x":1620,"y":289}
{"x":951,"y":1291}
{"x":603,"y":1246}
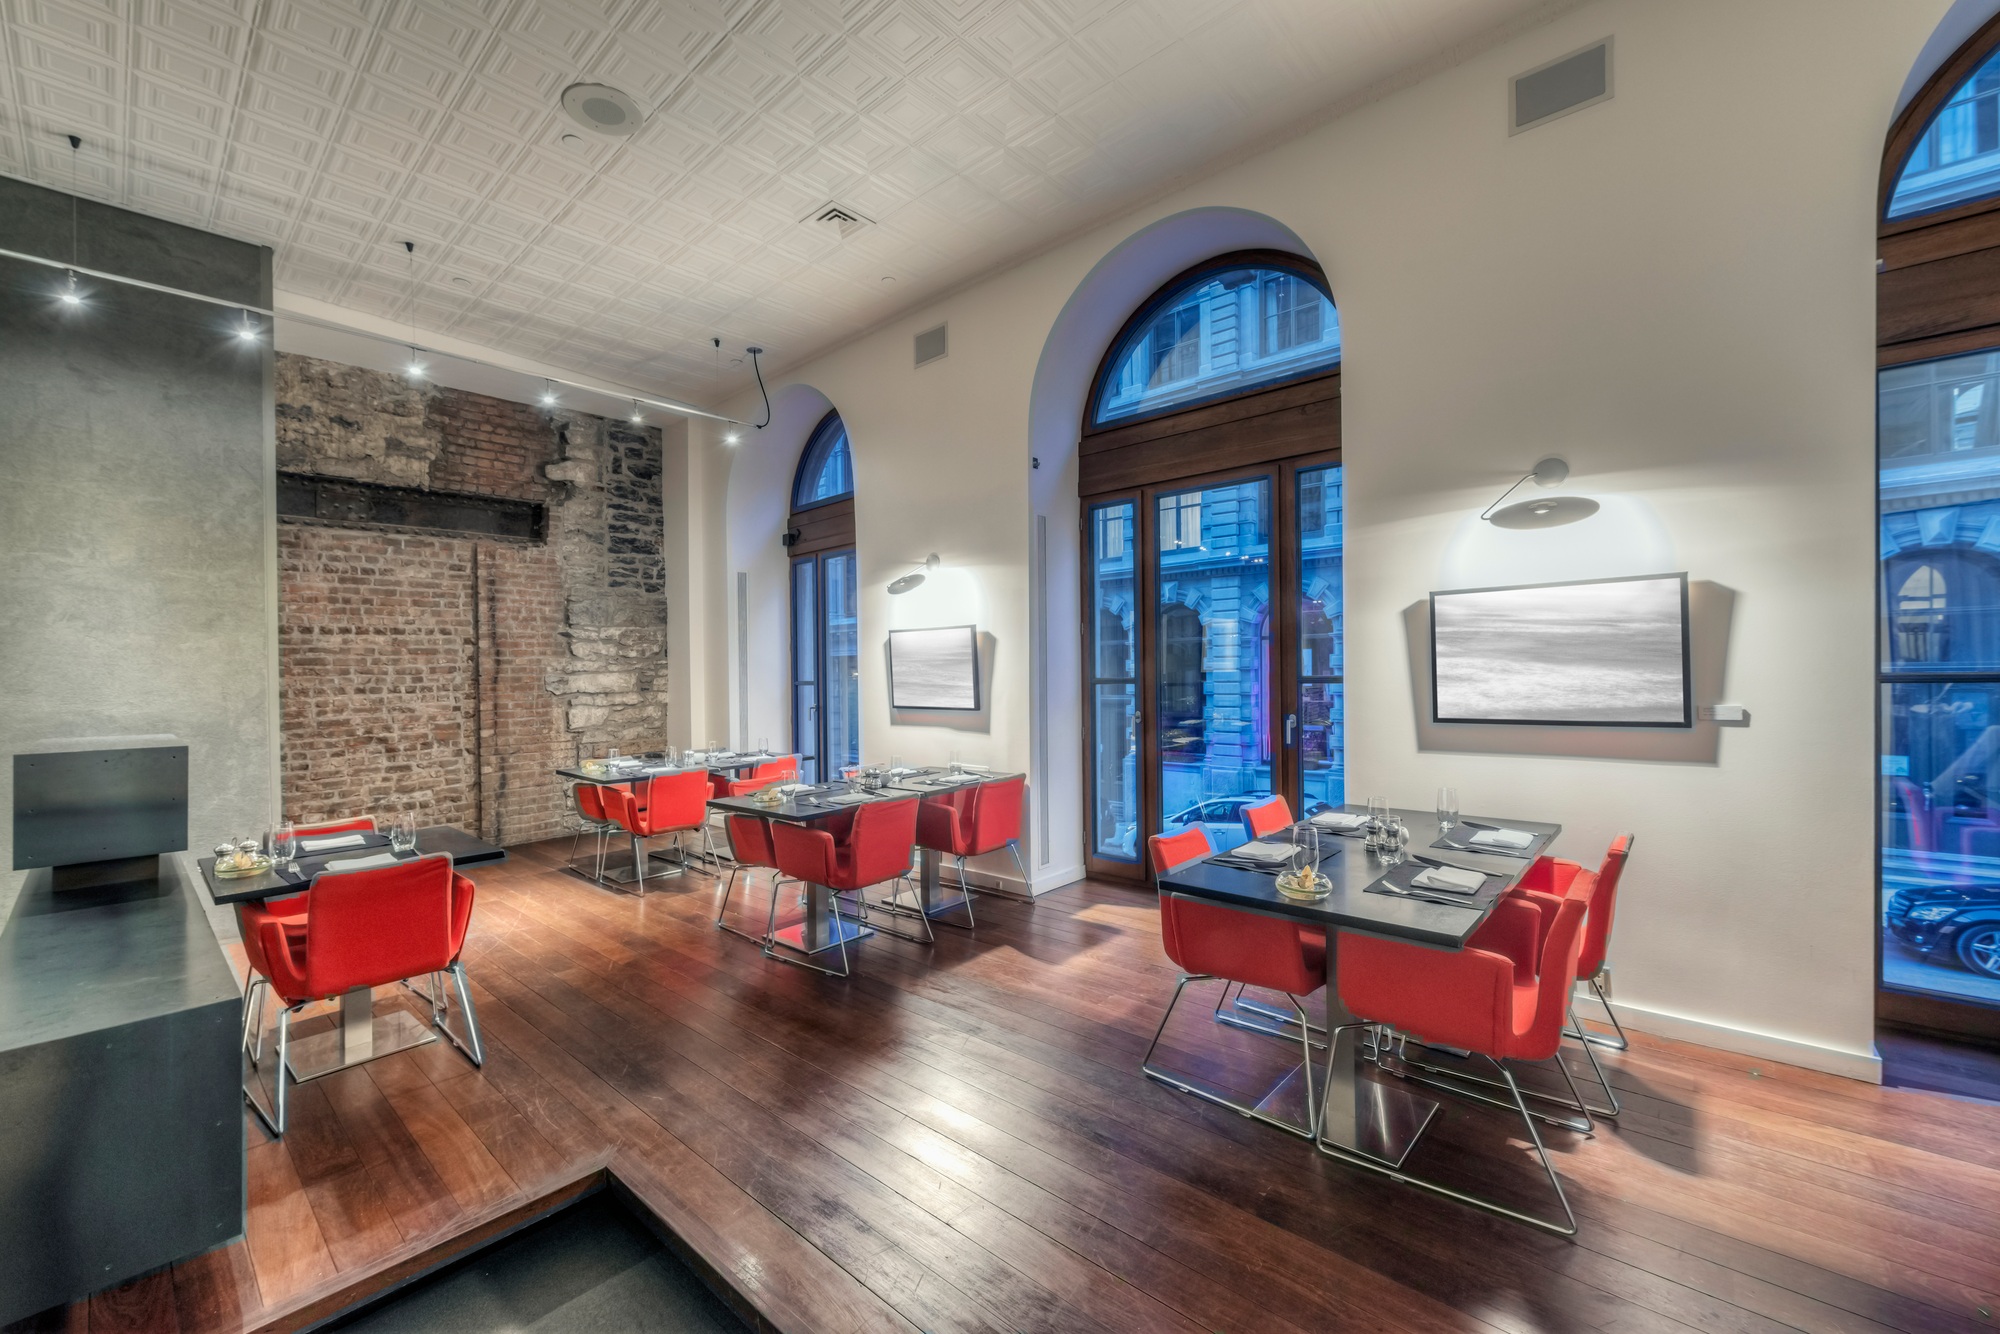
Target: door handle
{"x":1291,"y":726}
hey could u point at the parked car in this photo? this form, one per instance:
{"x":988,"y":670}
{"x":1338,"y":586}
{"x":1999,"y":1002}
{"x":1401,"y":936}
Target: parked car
{"x":1960,"y":923}
{"x":1222,"y":817}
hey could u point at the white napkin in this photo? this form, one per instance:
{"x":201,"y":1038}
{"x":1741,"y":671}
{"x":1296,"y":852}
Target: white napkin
{"x":1262,"y":852}
{"x":332,"y":841}
{"x":897,"y":773}
{"x":1451,"y":879}
{"x":1500,"y":838}
{"x":846,"y":798}
{"x":364,"y":863}
{"x":1339,"y":820}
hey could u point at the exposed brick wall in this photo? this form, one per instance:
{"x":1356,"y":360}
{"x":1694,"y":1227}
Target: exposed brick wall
{"x":452,"y":674}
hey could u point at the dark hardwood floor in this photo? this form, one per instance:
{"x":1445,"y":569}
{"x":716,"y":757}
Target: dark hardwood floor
{"x":958,"y":1139}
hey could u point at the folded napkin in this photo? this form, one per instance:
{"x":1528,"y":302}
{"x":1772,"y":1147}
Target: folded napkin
{"x":1451,"y":879}
{"x":786,"y":789}
{"x":845,"y":798}
{"x":898,"y":773}
{"x":332,"y":841}
{"x":1271,"y":853}
{"x":1339,"y":820}
{"x":1500,"y":838}
{"x":364,"y":863}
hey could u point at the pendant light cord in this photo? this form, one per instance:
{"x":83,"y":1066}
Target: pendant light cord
{"x":756,"y":352}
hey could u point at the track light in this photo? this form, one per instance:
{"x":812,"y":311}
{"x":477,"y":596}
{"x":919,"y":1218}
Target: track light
{"x":248,"y":331}
{"x":548,"y":393}
{"x":415,"y":370}
{"x":732,"y":438}
{"x":637,"y":415}
{"x":69,"y":296}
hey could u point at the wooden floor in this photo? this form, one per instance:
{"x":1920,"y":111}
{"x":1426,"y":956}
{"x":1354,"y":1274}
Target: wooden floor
{"x":958,"y":1139}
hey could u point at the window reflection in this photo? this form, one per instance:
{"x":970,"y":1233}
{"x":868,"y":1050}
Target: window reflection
{"x":1958,"y":157}
{"x":1224,"y":333}
{"x":1114,"y":764}
{"x":1322,"y":757}
{"x":826,"y":468}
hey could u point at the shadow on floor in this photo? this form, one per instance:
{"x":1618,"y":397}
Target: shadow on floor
{"x":592,"y":1266}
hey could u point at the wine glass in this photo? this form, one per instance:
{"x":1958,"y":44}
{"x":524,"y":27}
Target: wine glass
{"x":1447,"y":808}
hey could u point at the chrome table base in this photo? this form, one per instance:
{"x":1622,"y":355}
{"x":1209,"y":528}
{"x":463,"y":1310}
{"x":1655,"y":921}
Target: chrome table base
{"x":362,"y":1036}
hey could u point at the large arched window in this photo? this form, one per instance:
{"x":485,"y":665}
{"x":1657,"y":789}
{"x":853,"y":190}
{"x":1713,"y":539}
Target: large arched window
{"x":826,"y":471}
{"x":1938,"y":535}
{"x":1209,"y":472}
{"x":1221,"y":330}
{"x":826,"y":646}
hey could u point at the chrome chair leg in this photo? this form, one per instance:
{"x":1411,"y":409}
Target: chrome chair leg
{"x":274,"y":1119}
{"x":1341,"y":1153}
{"x":729,"y":887}
{"x":895,"y":908}
{"x":1610,"y":1094}
{"x":470,"y":1044}
{"x":1577,"y":1115}
{"x":773,"y":949}
{"x":253,"y":1019}
{"x":1184,"y":1084}
{"x":1617,"y":1043}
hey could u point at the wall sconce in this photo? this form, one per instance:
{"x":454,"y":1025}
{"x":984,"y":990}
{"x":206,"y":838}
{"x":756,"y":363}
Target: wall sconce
{"x":1549,"y":512}
{"x":916,"y":576}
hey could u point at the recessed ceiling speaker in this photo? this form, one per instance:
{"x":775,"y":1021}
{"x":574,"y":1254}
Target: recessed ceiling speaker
{"x":1570,"y":83}
{"x":602,"y":108}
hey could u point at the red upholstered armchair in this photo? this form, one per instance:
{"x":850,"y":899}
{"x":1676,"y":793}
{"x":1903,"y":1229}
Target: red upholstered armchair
{"x":1481,"y":999}
{"x":750,"y":847}
{"x":366,"y":929}
{"x":1209,"y":941}
{"x":782,"y":770}
{"x":874,"y":848}
{"x":973,"y":822}
{"x":1545,"y":884}
{"x":289,"y":912}
{"x":593,"y":819}
{"x":668,"y":804}
{"x":1266,"y":817}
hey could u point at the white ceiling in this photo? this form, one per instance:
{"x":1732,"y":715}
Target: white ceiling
{"x":969,"y":130}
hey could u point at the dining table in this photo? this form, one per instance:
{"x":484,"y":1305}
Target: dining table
{"x":363,"y":1033}
{"x":934,"y":898}
{"x":1371,"y":895}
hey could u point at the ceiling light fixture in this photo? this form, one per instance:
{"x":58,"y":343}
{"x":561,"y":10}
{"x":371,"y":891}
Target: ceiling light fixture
{"x":637,"y":415}
{"x":915,"y":578}
{"x":69,"y":296}
{"x":756,"y":352}
{"x":1552,"y":512}
{"x":548,"y":393}
{"x":248,"y":331}
{"x":602,"y":109}
{"x":732,"y":438}
{"x":415,"y":370}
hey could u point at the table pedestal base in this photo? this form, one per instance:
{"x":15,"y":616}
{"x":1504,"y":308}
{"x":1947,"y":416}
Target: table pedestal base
{"x":362,"y":1036}
{"x":1361,"y":1116}
{"x":823,"y":927}
{"x":934,"y":897}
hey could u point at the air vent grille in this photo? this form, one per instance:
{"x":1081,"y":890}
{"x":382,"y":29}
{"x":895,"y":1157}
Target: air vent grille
{"x":847,"y":221}
{"x":932,"y":344}
{"x":1577,"y":80}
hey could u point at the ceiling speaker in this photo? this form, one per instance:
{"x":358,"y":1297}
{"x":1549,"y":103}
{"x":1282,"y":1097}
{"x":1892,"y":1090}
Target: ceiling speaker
{"x":601,"y":108}
{"x":1571,"y":83}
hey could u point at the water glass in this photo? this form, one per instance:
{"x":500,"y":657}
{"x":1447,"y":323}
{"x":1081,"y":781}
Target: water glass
{"x":284,"y":843}
{"x":1447,"y":808}
{"x":895,"y":765}
{"x":1378,"y":820}
{"x":403,"y":834}
{"x":957,"y":762}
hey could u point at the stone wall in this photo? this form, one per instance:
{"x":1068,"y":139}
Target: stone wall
{"x":449,"y":673}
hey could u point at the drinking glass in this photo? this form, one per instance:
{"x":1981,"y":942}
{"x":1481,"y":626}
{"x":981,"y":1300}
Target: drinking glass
{"x":895,"y":765}
{"x":1378,"y":819}
{"x":763,"y":745}
{"x":1447,"y":808}
{"x":1395,"y":838}
{"x":285,"y":844}
{"x":957,"y":762}
{"x":403,"y":833}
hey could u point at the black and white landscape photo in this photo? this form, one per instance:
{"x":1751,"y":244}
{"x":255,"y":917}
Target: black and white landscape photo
{"x":934,"y":669}
{"x":1609,"y":653}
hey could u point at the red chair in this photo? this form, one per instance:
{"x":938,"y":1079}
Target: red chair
{"x":1546,"y":882}
{"x":675,"y":804}
{"x":983,"y":819}
{"x":367,"y":929}
{"x":1477,"y":1000}
{"x":1207,"y":941}
{"x":291,"y":911}
{"x":1266,"y":817}
{"x":750,"y":847}
{"x":593,"y":820}
{"x":785,"y":770}
{"x":874,"y":848}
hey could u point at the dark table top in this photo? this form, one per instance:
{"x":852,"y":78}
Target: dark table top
{"x":806,"y":807}
{"x":465,"y":850}
{"x":615,"y":778}
{"x":1350,"y":907}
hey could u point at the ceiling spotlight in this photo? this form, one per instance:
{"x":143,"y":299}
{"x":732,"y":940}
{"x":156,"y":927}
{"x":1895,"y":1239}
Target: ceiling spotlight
{"x":732,"y":438}
{"x":248,"y":331}
{"x":69,"y":296}
{"x":637,"y":415}
{"x":1552,"y":512}
{"x":601,"y":108}
{"x":548,"y":393}
{"x":415,"y":370}
{"x":915,"y":577}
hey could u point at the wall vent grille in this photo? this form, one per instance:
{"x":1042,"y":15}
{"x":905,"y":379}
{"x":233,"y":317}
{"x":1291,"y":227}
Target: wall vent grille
{"x":932,"y":345}
{"x":1571,"y":83}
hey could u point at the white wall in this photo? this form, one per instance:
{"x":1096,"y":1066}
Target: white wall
{"x":1674,"y":290}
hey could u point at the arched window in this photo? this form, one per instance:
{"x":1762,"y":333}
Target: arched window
{"x":1920,"y":622}
{"x":1220,"y":332}
{"x":826,"y":471}
{"x":1957,"y":158}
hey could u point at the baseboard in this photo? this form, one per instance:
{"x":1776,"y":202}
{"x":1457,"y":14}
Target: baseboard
{"x":1043,"y":882}
{"x":1864,"y":1066}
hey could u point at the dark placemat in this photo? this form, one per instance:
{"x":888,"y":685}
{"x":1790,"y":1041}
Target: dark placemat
{"x":368,"y":841}
{"x":1326,"y":854}
{"x":1396,"y":883}
{"x":1456,"y":840}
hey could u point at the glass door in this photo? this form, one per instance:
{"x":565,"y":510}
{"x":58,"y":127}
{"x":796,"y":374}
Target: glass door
{"x":826,"y":664}
{"x":1314,"y":722}
{"x":1117,"y":808}
{"x":1212,"y":726}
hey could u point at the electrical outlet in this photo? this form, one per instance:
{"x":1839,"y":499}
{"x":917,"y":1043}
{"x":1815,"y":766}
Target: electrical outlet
{"x":1604,"y":981}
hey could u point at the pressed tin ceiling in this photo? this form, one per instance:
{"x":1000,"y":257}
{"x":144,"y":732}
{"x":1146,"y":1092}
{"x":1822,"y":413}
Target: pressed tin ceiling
{"x":966,"y":131}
